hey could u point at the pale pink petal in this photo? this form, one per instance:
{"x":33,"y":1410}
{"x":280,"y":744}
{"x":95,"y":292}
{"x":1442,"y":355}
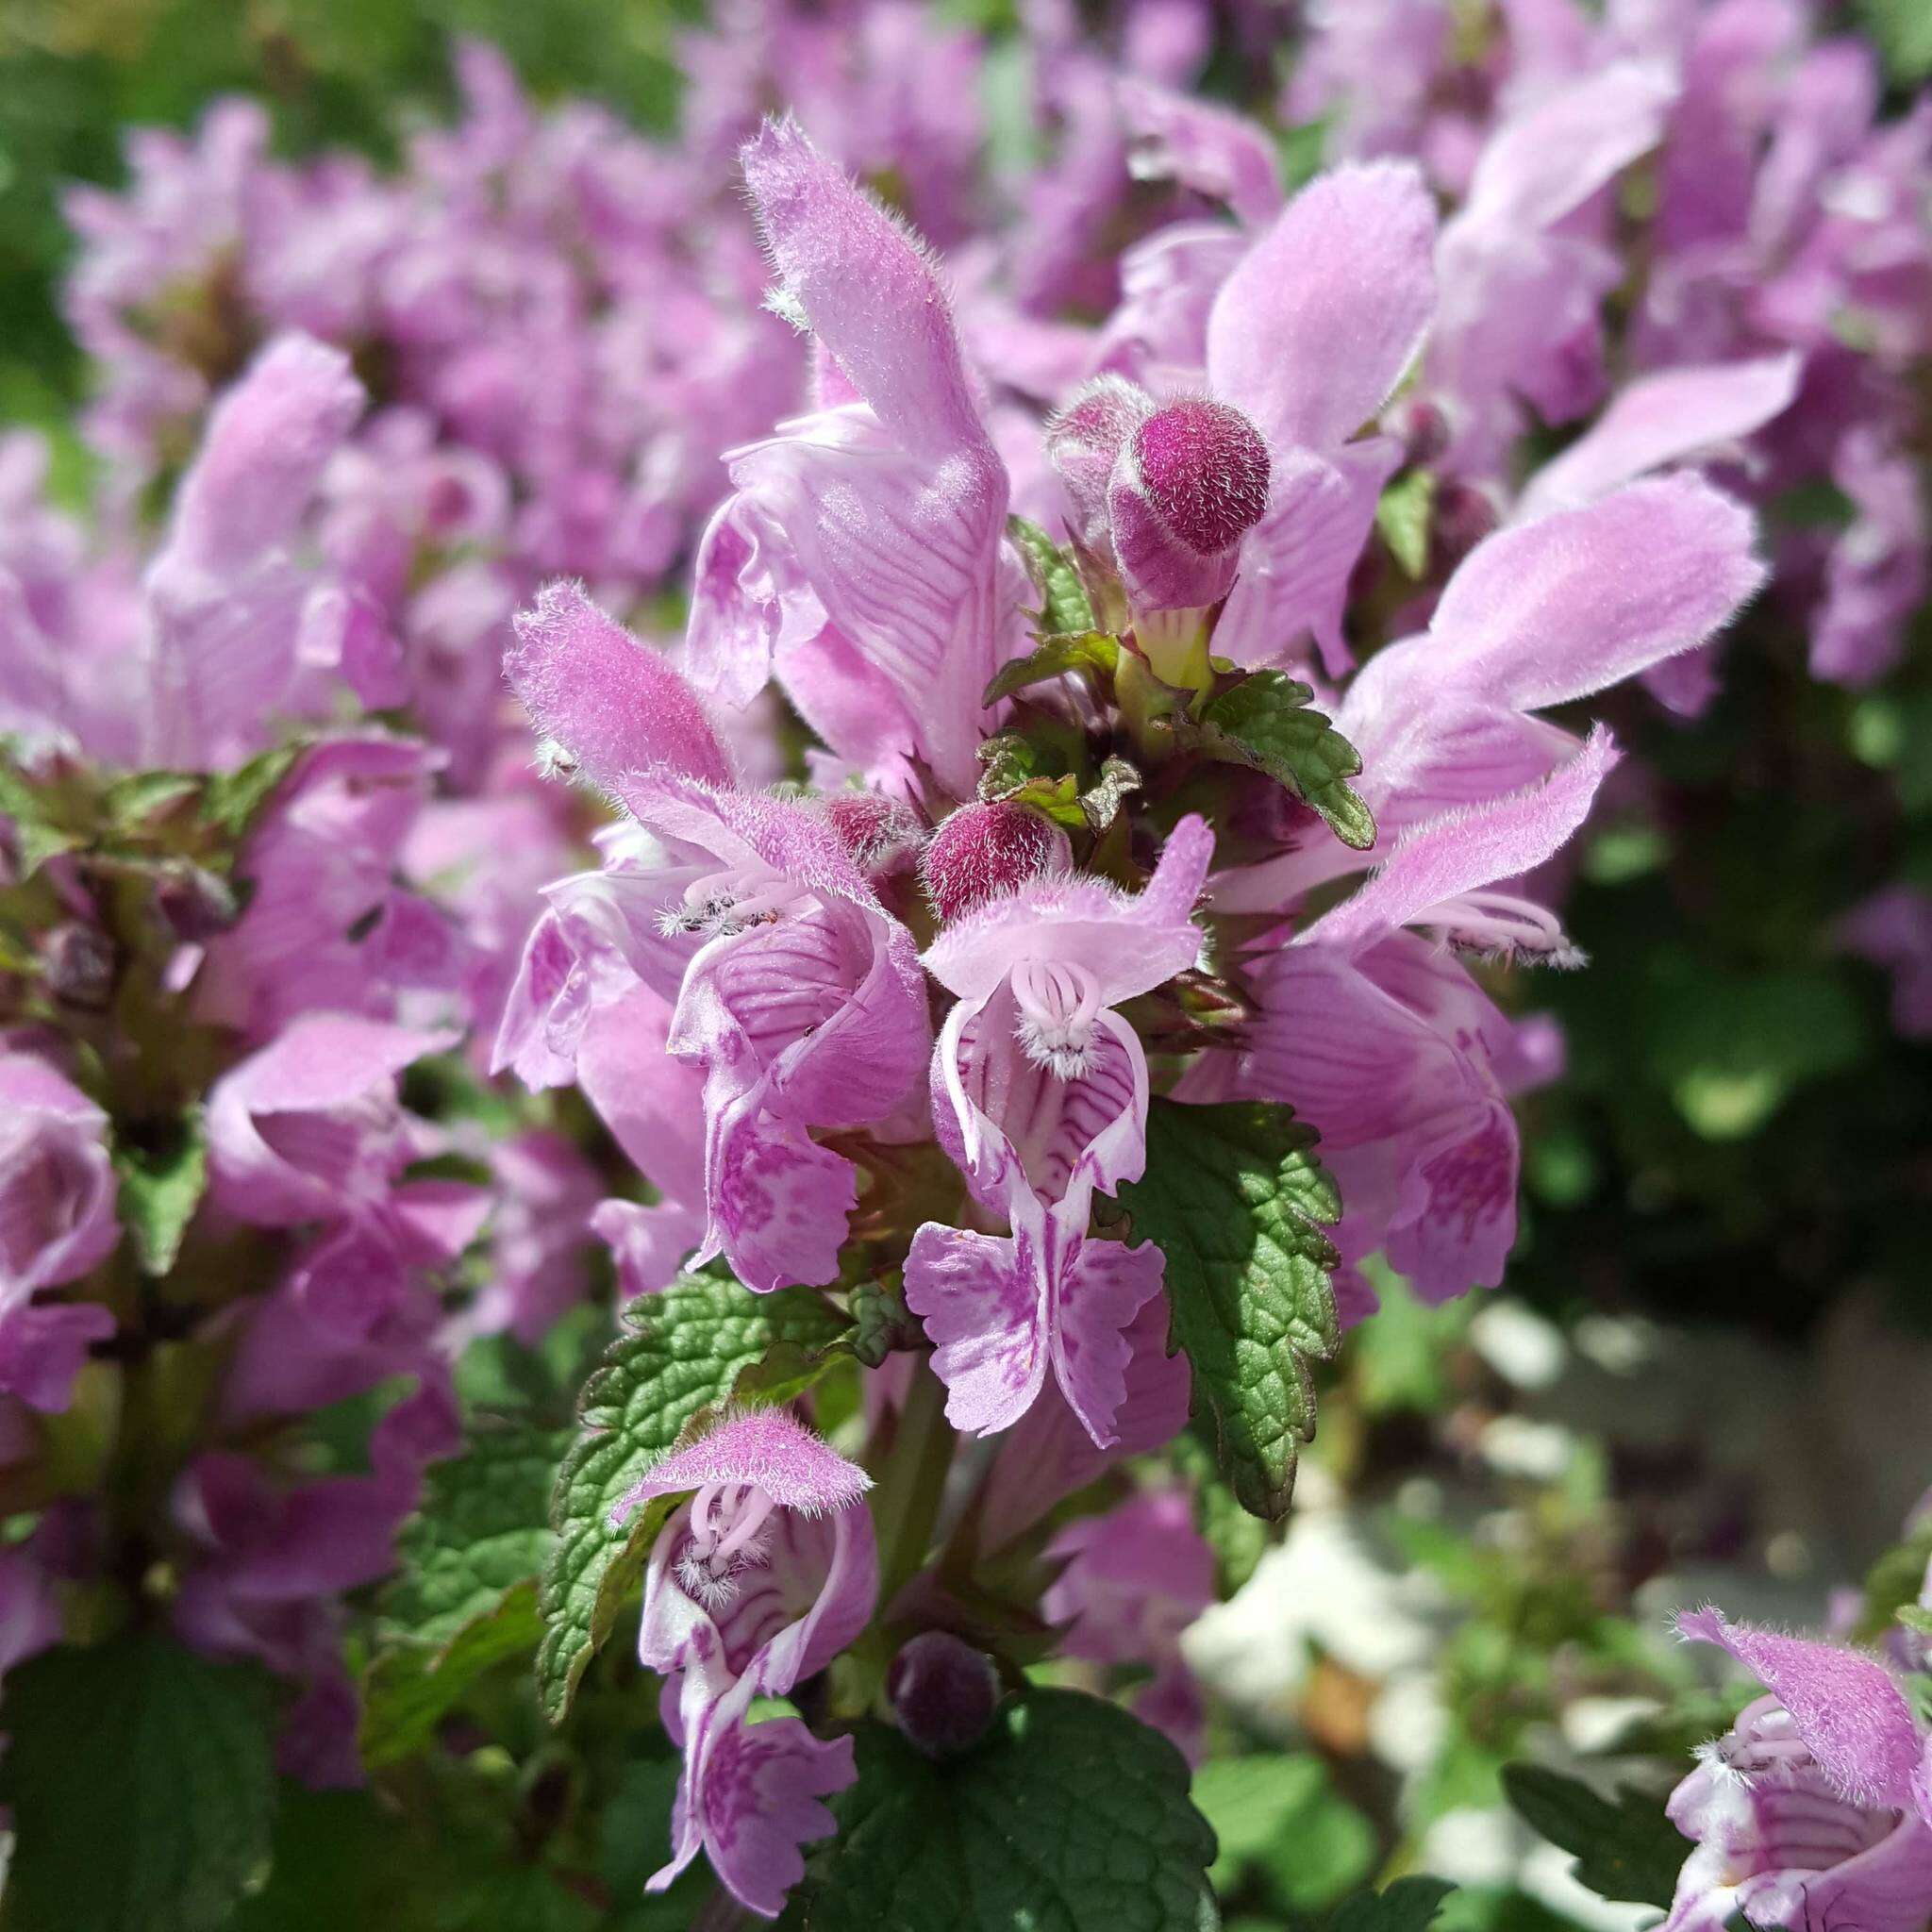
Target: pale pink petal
{"x":1314,"y":328}
{"x":979,"y":1298}
{"x":614,"y":704}
{"x":1672,"y":417}
{"x":1201,"y":147}
{"x":1296,"y":562}
{"x":1447,"y":857}
{"x":866,"y":287}
{"x":1097,"y":1296}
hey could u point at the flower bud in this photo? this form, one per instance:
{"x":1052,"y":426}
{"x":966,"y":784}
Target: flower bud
{"x":79,"y":963}
{"x":1190,"y":482}
{"x":1084,"y":441}
{"x":987,"y":849}
{"x":880,"y":833}
{"x":943,"y":1692}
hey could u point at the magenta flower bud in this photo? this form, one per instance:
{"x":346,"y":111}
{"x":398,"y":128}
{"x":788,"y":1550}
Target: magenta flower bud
{"x":79,"y":962}
{"x":985,"y":850}
{"x":880,"y":833}
{"x":943,"y":1692}
{"x":1190,"y":482}
{"x":1084,"y":441}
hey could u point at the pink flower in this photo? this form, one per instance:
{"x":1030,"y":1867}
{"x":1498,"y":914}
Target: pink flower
{"x":57,"y":1224}
{"x":1812,"y":1810}
{"x":794,"y":993}
{"x":1039,"y":1094}
{"x":804,"y":571}
{"x":1136,"y":1577}
{"x":1256,"y":492}
{"x":757,"y":1582}
{"x":1384,"y":1042}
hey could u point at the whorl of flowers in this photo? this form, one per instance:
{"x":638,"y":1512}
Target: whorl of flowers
{"x":1134,"y":687}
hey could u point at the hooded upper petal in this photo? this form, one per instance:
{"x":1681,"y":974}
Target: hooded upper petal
{"x":1540,"y":614}
{"x":1845,"y":1704}
{"x":613,"y":703}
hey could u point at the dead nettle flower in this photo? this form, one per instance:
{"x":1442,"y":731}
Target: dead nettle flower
{"x":1811,"y":1811}
{"x":759,"y":1580}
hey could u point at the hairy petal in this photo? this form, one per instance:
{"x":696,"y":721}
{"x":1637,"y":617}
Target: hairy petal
{"x":1313,"y":329}
{"x":614,"y":704}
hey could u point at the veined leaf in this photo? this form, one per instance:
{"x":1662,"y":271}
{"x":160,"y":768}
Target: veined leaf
{"x":1265,"y":722}
{"x":1235,"y":1200}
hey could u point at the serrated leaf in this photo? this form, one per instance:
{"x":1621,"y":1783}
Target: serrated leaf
{"x":1916,"y":1616}
{"x":1069,"y":1814}
{"x":688,"y":1351}
{"x":1056,"y":654}
{"x":1402,"y":515}
{"x":1265,"y":722}
{"x":1064,"y":606}
{"x":482,"y":1529}
{"x":882,"y":1324}
{"x":1235,"y":1200}
{"x":162,"y":1180}
{"x":1406,"y":1904}
{"x":412,"y":1687}
{"x":142,"y":1785}
{"x":1627,"y":1850}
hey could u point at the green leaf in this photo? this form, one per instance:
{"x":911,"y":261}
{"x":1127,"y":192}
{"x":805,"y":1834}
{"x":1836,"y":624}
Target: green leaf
{"x":1903,"y":30}
{"x":41,"y":830}
{"x":235,"y":797}
{"x":1402,"y":515}
{"x":163,"y":1177}
{"x":1278,"y":1811}
{"x":1627,"y":1850}
{"x":1078,"y":650}
{"x":1238,"y":1539}
{"x":1064,"y":604}
{"x":1235,"y":1200}
{"x":1407,"y":1904}
{"x":412,"y":1686}
{"x":1010,"y":762}
{"x":1265,"y":722}
{"x":1068,"y":1815}
{"x":687,"y":1352}
{"x":482,"y":1529}
{"x":132,"y":801}
{"x":1915,"y":1617}
{"x":142,"y":1785}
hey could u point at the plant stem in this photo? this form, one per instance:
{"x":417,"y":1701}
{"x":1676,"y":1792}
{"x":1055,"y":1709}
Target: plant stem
{"x":908,"y":1467}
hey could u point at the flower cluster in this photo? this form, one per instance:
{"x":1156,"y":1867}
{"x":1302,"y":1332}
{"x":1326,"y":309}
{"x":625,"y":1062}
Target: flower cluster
{"x":1000,"y":917}
{"x":1006,"y":984}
